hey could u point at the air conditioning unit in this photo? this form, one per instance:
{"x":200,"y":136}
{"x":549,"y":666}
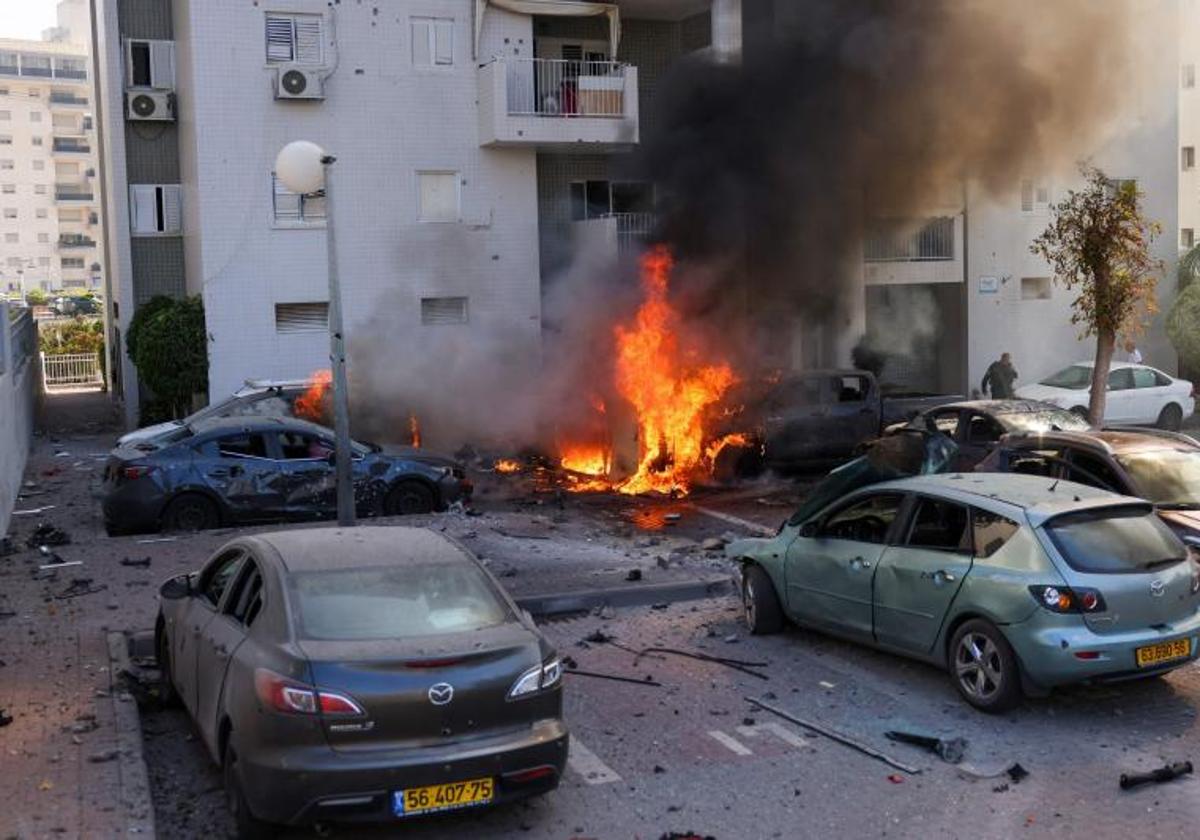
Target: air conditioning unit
{"x":293,"y":82}
{"x":154,"y":105}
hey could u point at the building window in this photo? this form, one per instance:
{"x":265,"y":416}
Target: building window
{"x":43,"y":237}
{"x":438,"y":197}
{"x":294,"y":38}
{"x":432,"y":41}
{"x":1035,"y":288}
{"x":5,"y":116}
{"x":37,"y":141}
{"x":5,"y":139}
{"x":1187,"y":157}
{"x":1189,"y":75}
{"x":10,"y":212}
{"x":39,"y":189}
{"x":1035,"y":195}
{"x":443,"y":310}
{"x":150,"y":64}
{"x":6,"y":164}
{"x":155,"y":209}
{"x":8,"y":188}
{"x":39,"y":165}
{"x":302,"y":317}
{"x":44,"y":262}
{"x":35,"y":93}
{"x":72,"y":262}
{"x":296,"y":207}
{"x":41,"y":212}
{"x":35,"y":116}
{"x":12,"y":237}
{"x":1187,"y":237}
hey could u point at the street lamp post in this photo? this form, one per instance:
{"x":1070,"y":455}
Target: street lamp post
{"x":306,"y":168}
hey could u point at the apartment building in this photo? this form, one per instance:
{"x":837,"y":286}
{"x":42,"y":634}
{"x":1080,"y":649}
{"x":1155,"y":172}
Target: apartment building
{"x":50,"y":230}
{"x":470,"y":136}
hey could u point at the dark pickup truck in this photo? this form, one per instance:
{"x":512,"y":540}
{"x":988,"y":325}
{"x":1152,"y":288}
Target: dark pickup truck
{"x":823,"y":415}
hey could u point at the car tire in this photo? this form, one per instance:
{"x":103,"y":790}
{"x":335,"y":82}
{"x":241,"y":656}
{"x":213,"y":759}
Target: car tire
{"x":1081,"y":411}
{"x":190,"y":512}
{"x":167,"y":695}
{"x":1170,"y":418}
{"x":246,"y":825}
{"x":760,"y":603}
{"x":408,"y":498}
{"x":984,"y":667}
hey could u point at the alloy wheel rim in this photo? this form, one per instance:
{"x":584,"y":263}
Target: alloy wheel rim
{"x":191,"y":518}
{"x":748,"y":602}
{"x":978,"y":667}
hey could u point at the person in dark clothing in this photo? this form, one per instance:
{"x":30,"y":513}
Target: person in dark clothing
{"x":1000,"y":377}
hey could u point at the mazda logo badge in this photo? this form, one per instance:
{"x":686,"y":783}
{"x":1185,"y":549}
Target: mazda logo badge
{"x":1157,"y":588}
{"x":441,"y":694}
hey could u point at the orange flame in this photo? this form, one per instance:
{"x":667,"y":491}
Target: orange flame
{"x":714,"y":449}
{"x":589,"y":460}
{"x":414,"y":431}
{"x":507,"y":465}
{"x":669,"y":395}
{"x":311,"y":404}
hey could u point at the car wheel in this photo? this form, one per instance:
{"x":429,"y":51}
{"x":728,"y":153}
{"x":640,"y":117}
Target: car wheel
{"x":248,"y":826}
{"x":190,"y":512}
{"x":1080,"y":411}
{"x":408,"y":497}
{"x":760,"y":604}
{"x":984,"y":667}
{"x":1170,"y":418}
{"x":167,"y":695}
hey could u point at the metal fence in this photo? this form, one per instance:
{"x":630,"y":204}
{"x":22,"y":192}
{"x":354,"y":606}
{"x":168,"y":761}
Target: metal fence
{"x":910,"y":240}
{"x":71,"y":370}
{"x":548,"y":87}
{"x":633,"y":229}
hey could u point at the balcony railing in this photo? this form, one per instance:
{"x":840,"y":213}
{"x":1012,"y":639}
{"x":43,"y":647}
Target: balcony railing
{"x":633,"y":229}
{"x":908,"y":240}
{"x":66,"y":144}
{"x":555,"y":88}
{"x":67,"y":99}
{"x":75,"y":240}
{"x":73,"y":193}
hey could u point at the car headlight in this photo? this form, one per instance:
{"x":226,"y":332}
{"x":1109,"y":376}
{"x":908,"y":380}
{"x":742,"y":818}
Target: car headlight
{"x":538,"y":678}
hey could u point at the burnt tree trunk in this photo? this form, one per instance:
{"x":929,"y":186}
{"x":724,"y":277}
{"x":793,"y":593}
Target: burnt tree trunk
{"x":1106,"y":344}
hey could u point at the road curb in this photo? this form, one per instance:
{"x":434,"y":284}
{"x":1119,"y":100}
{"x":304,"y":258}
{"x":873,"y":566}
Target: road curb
{"x":634,"y":595}
{"x":133,"y":776}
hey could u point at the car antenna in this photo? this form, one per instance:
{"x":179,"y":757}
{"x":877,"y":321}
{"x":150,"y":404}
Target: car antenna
{"x":1055,"y":484}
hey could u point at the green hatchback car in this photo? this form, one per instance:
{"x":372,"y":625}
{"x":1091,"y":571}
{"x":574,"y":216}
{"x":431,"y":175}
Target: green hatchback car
{"x":1013,"y":583}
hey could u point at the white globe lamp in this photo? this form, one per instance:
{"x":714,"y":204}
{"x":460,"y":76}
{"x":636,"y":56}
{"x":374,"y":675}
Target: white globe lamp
{"x":300,"y":166}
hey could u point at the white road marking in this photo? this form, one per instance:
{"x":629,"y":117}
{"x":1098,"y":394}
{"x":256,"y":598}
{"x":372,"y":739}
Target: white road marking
{"x":731,"y":743}
{"x":778,"y":730}
{"x":736,"y":520}
{"x":588,"y":765}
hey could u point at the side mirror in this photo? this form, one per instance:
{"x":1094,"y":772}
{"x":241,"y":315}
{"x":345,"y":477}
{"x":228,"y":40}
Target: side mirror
{"x":331,"y":459}
{"x":808,"y":530}
{"x":177,"y":588}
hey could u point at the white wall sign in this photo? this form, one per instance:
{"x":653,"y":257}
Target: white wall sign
{"x":989,"y":285}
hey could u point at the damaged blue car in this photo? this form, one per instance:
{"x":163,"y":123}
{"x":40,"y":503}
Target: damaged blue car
{"x":245,"y":470}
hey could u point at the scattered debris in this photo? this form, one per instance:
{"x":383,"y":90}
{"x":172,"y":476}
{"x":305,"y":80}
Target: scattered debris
{"x":156,"y":540}
{"x":47,"y":534}
{"x":737,"y":664}
{"x":7,"y":547}
{"x":865,"y":749}
{"x":143,"y":563}
{"x":672,"y":518}
{"x":1016,"y":773}
{"x":1166,"y":773}
{"x":598,"y":637}
{"x":634,"y":575}
{"x":684,"y":835}
{"x":32,"y":511}
{"x":828,"y":686}
{"x":79,"y":587}
{"x":950,"y":750}
{"x":658,"y":768}
{"x":713,"y":544}
{"x":57,"y":562}
{"x":895,"y":778}
{"x":615,"y":678}
{"x":5,"y":717}
{"x":103,"y":757}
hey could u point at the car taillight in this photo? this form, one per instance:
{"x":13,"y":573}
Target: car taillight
{"x":537,"y":678}
{"x":280,"y":694}
{"x":1065,"y":599}
{"x":135,"y":472}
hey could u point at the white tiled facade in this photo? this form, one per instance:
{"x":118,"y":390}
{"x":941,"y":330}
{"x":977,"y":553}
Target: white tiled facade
{"x":50,"y":235}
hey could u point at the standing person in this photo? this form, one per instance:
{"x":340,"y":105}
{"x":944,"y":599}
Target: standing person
{"x":1132,"y":354}
{"x":1000,"y":377}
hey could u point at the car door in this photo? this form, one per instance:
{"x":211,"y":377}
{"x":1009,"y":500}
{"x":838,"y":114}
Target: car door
{"x":240,"y":468}
{"x":309,"y":478}
{"x":194,"y":618}
{"x":1121,"y":405}
{"x":830,"y":565}
{"x":1149,"y":396}
{"x":919,"y":576}
{"x":220,"y":639}
{"x":796,"y":414}
{"x":1094,"y":470}
{"x":854,"y":412}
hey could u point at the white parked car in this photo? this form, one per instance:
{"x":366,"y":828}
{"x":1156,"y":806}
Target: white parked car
{"x":1137,"y":394}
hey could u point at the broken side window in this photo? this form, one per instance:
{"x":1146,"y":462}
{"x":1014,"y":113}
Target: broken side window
{"x":242,"y":446}
{"x":992,"y":531}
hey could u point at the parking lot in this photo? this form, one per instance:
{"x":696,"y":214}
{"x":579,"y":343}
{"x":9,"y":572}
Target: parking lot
{"x":688,"y":754}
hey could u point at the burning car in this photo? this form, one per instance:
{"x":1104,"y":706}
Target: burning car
{"x":376,"y":674}
{"x":264,"y":469}
{"x":1009,"y":582}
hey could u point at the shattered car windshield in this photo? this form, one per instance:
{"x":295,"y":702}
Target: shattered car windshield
{"x":394,"y":602}
{"x":1074,"y":377}
{"x":1129,"y":539}
{"x":1168,"y":477}
{"x":1046,"y":420}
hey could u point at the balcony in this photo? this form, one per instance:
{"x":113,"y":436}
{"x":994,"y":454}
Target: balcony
{"x":57,"y":98}
{"x":625,"y":231}
{"x":73,"y":192}
{"x":558,"y":105}
{"x":71,"y":146}
{"x":913,"y":251}
{"x":75,"y":240}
